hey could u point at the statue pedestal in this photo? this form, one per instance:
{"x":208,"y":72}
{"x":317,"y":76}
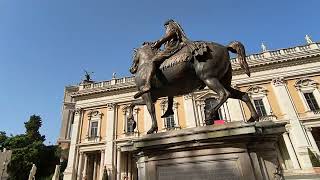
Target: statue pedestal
{"x":237,"y":150}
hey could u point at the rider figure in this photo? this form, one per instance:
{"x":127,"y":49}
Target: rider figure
{"x":173,"y":41}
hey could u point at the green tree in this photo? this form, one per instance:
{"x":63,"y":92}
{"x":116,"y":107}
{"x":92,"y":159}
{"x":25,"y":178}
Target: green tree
{"x":28,"y":149}
{"x":32,"y":128}
{"x":3,"y":138}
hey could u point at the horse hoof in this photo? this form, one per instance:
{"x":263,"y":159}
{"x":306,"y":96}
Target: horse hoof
{"x":153,"y":129}
{"x":253,"y":119}
{"x":167,"y":113}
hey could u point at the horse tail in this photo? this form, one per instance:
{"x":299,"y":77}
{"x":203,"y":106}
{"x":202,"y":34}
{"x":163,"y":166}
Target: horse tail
{"x":238,"y":48}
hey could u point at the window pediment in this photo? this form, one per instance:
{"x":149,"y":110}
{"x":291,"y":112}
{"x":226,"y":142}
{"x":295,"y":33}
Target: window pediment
{"x":304,"y":84}
{"x":95,"y":114}
{"x":205,"y":95}
{"x":257,"y":90}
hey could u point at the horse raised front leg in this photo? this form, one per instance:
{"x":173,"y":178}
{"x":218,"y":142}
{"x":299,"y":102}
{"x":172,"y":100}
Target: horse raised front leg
{"x":150,"y":106}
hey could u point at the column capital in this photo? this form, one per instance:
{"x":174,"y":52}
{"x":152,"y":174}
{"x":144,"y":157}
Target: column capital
{"x":77,"y":111}
{"x":308,"y":128}
{"x":136,"y":109}
{"x":278,"y":81}
{"x":288,"y":128}
{"x":111,"y":106}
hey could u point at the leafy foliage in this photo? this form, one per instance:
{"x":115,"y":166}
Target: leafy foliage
{"x":28,"y":149}
{"x":32,"y":128}
{"x":3,"y":138}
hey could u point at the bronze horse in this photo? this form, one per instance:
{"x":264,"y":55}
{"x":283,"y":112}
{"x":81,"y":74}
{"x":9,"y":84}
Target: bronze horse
{"x":212,"y":69}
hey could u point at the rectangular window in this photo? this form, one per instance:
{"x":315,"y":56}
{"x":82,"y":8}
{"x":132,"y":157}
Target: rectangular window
{"x":261,"y":110}
{"x":130,"y":128}
{"x":312,"y":103}
{"x":169,"y":122}
{"x":94,"y":129}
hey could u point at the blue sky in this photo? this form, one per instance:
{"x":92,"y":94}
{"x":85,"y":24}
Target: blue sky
{"x":45,"y":45}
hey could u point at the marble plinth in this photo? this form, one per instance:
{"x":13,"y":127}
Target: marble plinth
{"x":232,"y":151}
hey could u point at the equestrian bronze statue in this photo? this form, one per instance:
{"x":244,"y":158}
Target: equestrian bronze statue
{"x":184,"y":66}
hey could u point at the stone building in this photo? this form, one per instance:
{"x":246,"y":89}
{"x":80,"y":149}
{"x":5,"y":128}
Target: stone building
{"x":284,"y":87}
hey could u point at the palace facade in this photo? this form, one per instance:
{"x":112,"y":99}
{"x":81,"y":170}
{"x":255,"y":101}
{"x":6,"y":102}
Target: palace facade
{"x":284,"y":87}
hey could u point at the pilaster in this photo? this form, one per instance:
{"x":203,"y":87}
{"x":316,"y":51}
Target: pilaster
{"x":297,"y":134}
{"x":290,"y":149}
{"x":102,"y":156}
{"x":111,"y":109}
{"x":189,"y":110}
{"x":69,"y":173}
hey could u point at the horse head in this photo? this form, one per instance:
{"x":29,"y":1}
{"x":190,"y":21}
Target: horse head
{"x":140,"y":55}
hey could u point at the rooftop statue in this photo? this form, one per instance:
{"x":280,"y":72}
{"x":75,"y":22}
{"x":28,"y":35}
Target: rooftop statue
{"x":183,"y":66}
{"x":87,"y":76}
{"x":308,"y":39}
{"x":263,"y":47}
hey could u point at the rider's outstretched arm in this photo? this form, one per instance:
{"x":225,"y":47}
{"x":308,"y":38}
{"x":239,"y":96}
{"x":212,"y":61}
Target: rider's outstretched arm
{"x":164,"y":39}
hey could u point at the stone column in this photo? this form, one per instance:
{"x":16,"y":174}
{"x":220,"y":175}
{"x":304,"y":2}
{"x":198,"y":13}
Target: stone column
{"x":125,"y":123}
{"x":142,"y":168}
{"x":80,"y":163}
{"x":118,"y":164}
{"x":129,"y":166}
{"x":101,"y":163}
{"x":175,"y":115}
{"x":69,"y":173}
{"x":84,"y":172}
{"x":298,"y":137}
{"x":290,"y":149}
{"x":200,"y":111}
{"x":135,"y":114}
{"x":94,"y":167}
{"x":312,"y":141}
{"x":190,"y":114}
